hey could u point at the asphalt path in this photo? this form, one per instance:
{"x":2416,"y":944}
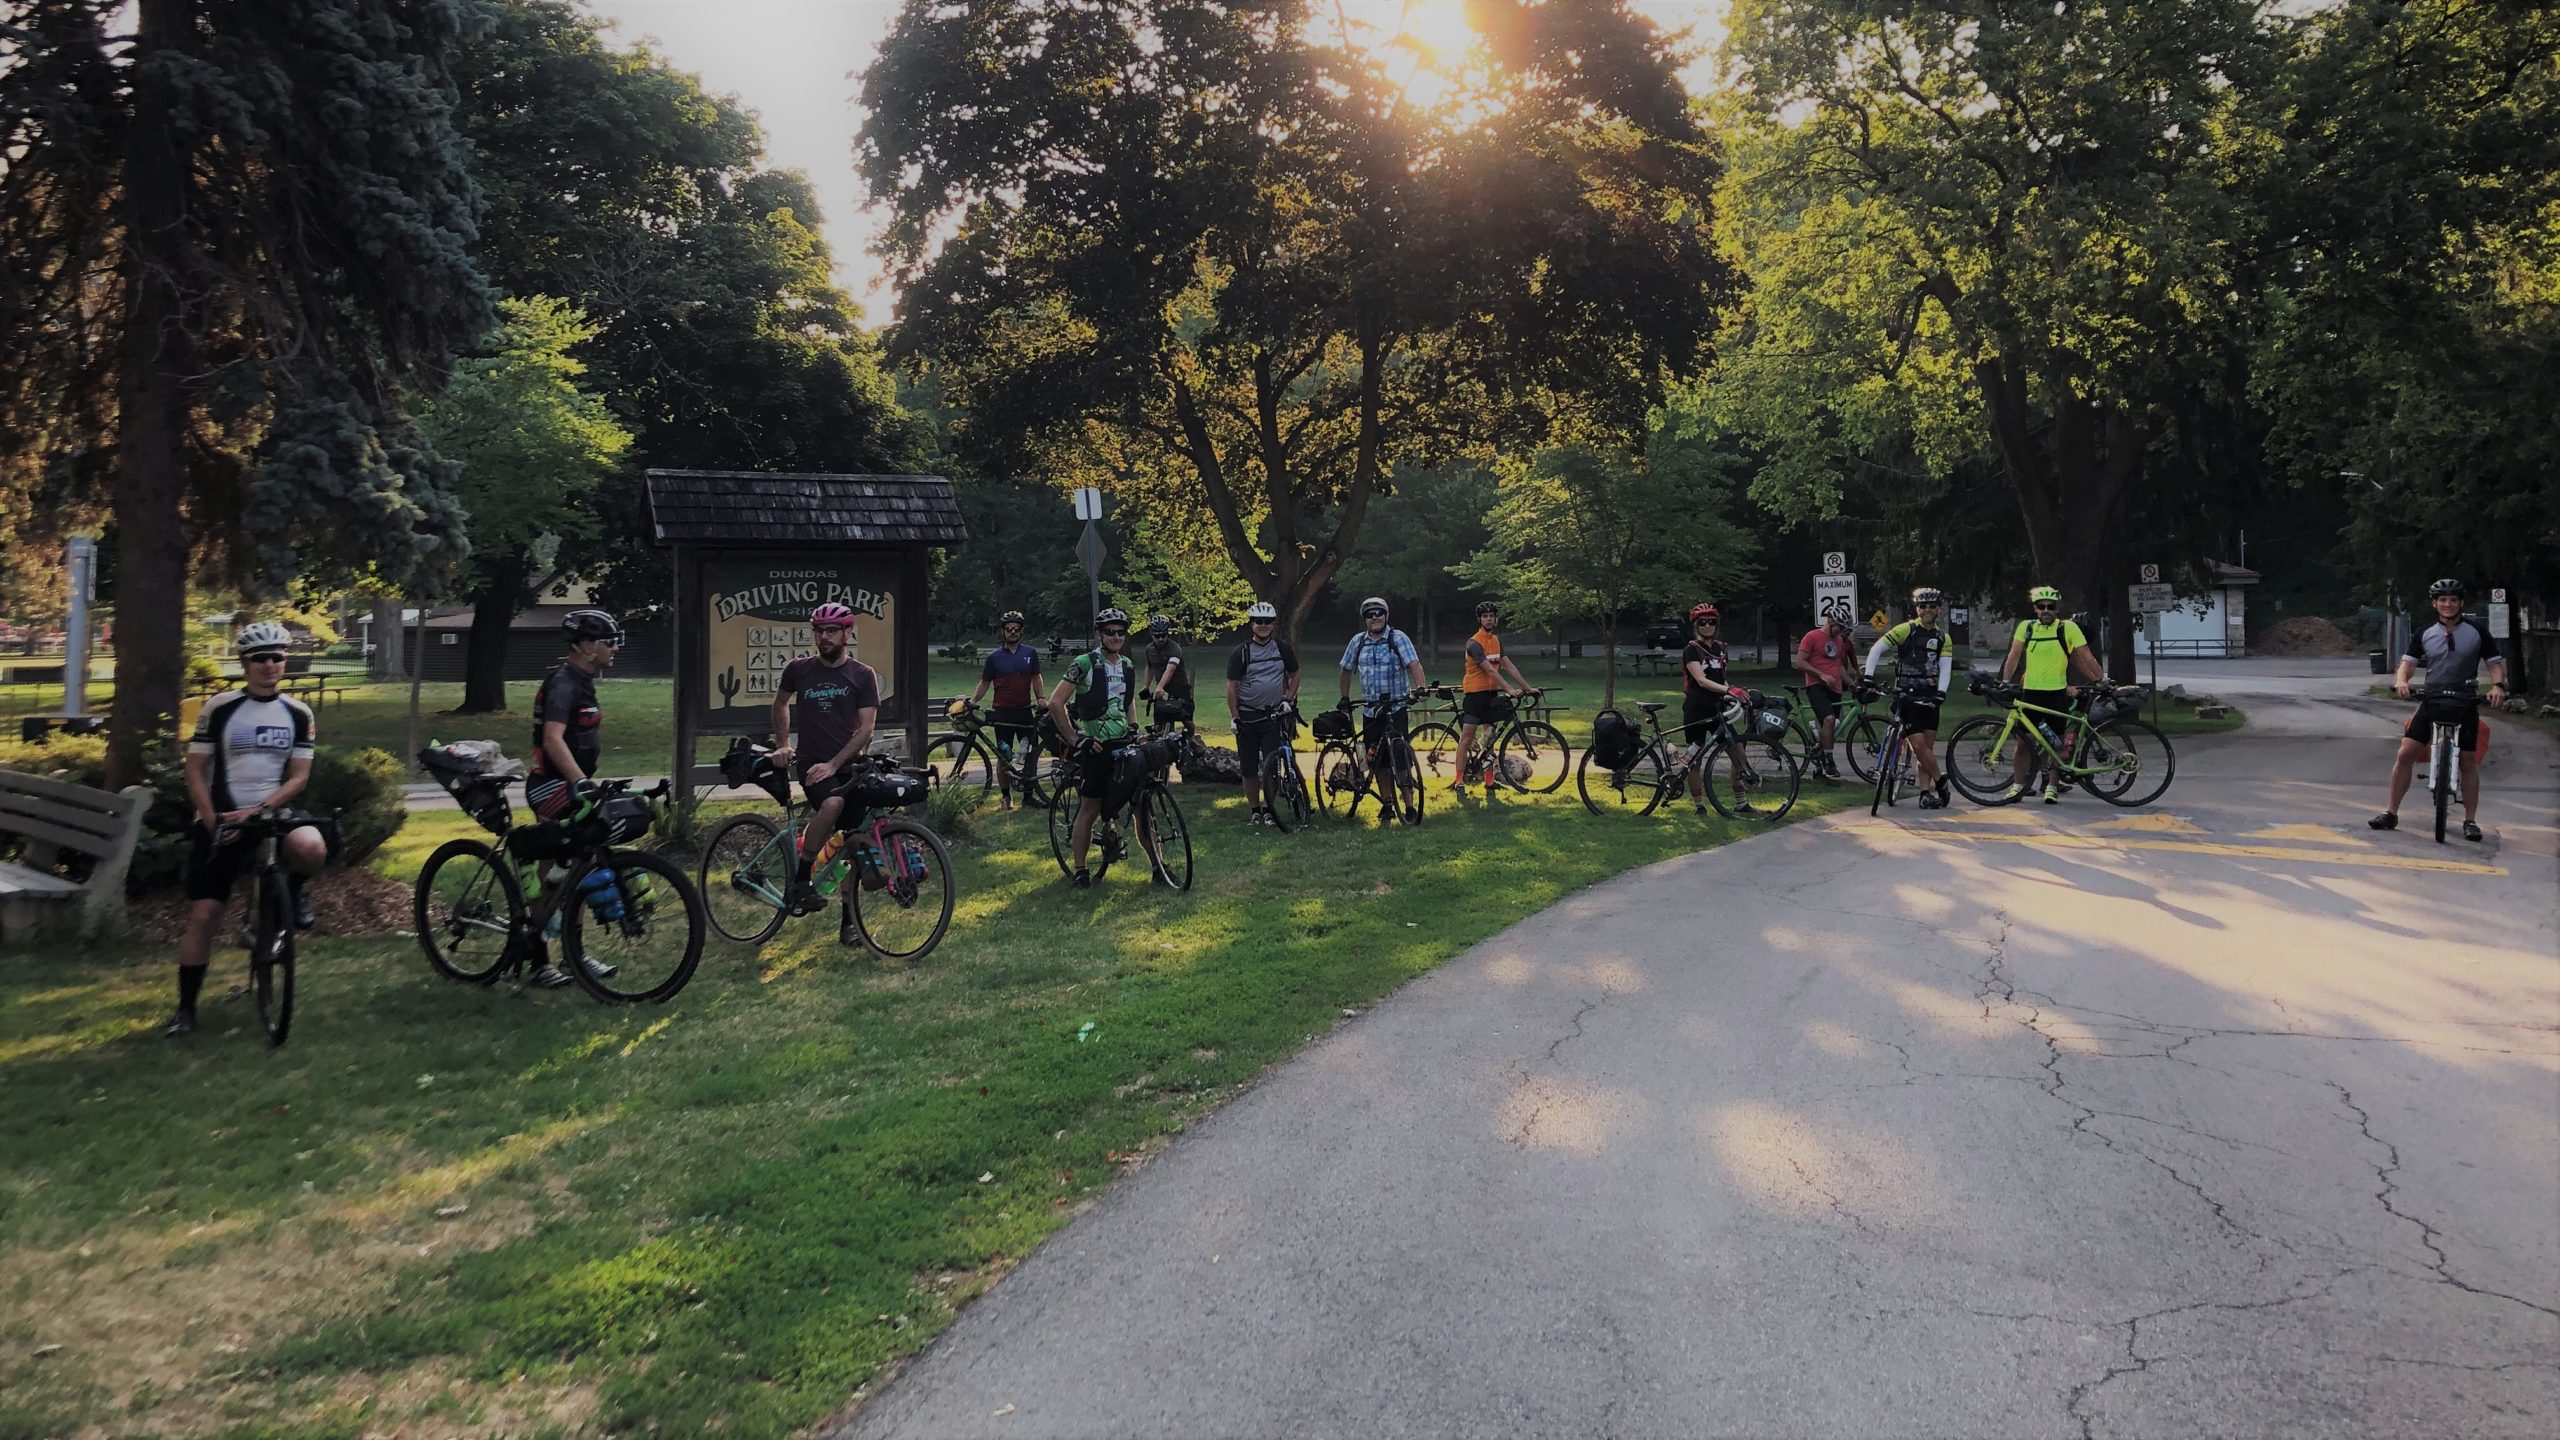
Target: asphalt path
{"x":2224,"y":1117}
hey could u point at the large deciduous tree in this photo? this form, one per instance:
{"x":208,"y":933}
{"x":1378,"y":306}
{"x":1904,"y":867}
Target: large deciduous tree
{"x":1221,"y":230}
{"x":233,"y":239}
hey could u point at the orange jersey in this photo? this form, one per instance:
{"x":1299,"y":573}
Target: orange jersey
{"x":1479,"y":678}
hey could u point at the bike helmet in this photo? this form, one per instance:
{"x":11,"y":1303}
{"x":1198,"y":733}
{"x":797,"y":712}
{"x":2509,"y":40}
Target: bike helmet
{"x":1373,"y":608}
{"x":1112,"y":616}
{"x":2445,"y":587}
{"x":1487,"y":607}
{"x":1928,"y":595}
{"x":264,"y":635}
{"x":1262,"y":610}
{"x":1010,"y":617}
{"x":1704,"y":611}
{"x":2043,"y":593}
{"x":590,"y":625}
{"x":1161,"y":626}
{"x":830,"y":614}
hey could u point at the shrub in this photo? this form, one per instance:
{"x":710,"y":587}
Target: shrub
{"x":206,"y":673}
{"x":952,"y":810}
{"x":364,"y":787}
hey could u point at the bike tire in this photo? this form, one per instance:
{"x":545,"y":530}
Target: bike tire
{"x":2440,"y":782}
{"x":1777,"y":777}
{"x":1284,"y":791}
{"x":1172,"y":859}
{"x":1537,"y":740}
{"x":482,"y":916}
{"x":1062,"y":828}
{"x":1862,"y":740}
{"x":1435,"y":747}
{"x":2154,"y":765}
{"x":271,"y":958}
{"x":1336,"y":759}
{"x":1636,"y":790}
{"x":956,"y":760}
{"x":1888,"y":772}
{"x":1977,"y":764}
{"x":745,"y":900}
{"x":886,"y":916}
{"x":673,"y":959}
{"x":1409,"y":784}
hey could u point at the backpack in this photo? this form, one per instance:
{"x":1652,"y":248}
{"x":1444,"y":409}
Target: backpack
{"x":1614,"y":740}
{"x":1095,"y":697}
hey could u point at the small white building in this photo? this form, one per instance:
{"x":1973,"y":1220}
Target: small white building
{"x":2214,"y":624}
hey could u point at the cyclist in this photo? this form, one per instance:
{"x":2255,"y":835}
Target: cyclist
{"x":1383,"y":660}
{"x":1704,"y":695}
{"x":568,"y":726}
{"x":2048,"y":648}
{"x":1262,"y":676}
{"x":251,"y":752}
{"x":1828,"y":663}
{"x":1013,"y":672}
{"x":833,"y":701}
{"x":2453,"y":649}
{"x":1100,"y":684}
{"x":1487,"y":672}
{"x":1168,"y":684}
{"x":1924,"y":666}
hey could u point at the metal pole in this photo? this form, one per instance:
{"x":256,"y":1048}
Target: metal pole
{"x":75,"y":634}
{"x":417,"y":674}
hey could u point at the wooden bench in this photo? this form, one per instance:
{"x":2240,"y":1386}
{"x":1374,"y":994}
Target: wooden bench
{"x":49,"y":822}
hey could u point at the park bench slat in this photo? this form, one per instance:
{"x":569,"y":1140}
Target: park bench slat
{"x":19,"y":881}
{"x":97,"y":828}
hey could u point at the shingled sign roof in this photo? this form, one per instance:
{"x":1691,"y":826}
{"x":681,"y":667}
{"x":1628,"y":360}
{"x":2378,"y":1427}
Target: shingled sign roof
{"x":744,"y":507}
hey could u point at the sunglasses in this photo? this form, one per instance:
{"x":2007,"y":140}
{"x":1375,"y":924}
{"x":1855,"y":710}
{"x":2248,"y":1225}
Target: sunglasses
{"x":1709,"y":624}
{"x":1263,"y":620}
{"x":262,"y":659}
{"x":2047,"y":605}
{"x":1115,"y":634}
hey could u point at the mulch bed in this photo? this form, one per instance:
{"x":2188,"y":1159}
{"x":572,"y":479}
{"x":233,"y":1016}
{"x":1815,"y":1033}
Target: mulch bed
{"x":352,"y":901}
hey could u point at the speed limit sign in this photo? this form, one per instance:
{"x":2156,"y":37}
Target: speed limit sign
{"x":1835,"y":597}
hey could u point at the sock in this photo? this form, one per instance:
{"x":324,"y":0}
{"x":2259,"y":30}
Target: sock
{"x":190,"y":985}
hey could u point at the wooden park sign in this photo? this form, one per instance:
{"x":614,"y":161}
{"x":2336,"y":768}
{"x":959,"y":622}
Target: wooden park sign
{"x":755,"y":553}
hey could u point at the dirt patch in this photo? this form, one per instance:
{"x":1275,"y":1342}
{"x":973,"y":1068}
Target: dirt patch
{"x":2305,"y":635}
{"x":347,"y":902}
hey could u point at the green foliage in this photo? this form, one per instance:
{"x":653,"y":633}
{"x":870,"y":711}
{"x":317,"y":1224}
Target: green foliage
{"x":366,"y":788}
{"x":1431,"y":514}
{"x":952,"y":810}
{"x":161,"y":852}
{"x":204,"y":674}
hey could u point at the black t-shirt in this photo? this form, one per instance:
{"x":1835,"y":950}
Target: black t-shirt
{"x":1178,"y":684}
{"x":568,"y":696}
{"x":1710,"y":657}
{"x":827,"y":702}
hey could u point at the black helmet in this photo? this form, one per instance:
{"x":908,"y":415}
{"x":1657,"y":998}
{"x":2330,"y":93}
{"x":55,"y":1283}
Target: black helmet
{"x":2445,"y":587}
{"x":1112,"y":616}
{"x":1010,"y":617}
{"x":1161,"y":626}
{"x":590,"y":625}
{"x":1487,"y":607}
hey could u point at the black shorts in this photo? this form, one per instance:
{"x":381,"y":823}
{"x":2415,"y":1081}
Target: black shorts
{"x":824,"y":790}
{"x":1918,"y":713}
{"x":1014,"y":724}
{"x":1485,"y":707}
{"x":213,"y":869}
{"x":1255,"y":739}
{"x":2465,"y":718}
{"x":1823,"y":700}
{"x":1374,"y":728}
{"x":1093,"y":773}
{"x":1700,"y":715}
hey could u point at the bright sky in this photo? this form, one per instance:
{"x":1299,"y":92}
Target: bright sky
{"x":794,"y":63}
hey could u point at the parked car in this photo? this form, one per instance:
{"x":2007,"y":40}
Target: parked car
{"x":1666,"y":633}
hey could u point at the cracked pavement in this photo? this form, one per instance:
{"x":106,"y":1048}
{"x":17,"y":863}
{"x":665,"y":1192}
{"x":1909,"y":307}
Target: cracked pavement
{"x":2070,"y":1122}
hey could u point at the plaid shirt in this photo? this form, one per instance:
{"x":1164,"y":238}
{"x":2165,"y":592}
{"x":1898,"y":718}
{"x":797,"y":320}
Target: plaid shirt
{"x":1380,"y":662}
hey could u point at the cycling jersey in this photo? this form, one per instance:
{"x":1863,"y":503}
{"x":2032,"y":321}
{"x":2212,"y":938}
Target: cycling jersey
{"x":1177,"y":686}
{"x":2050,"y":646}
{"x":2451,"y":653}
{"x":251,"y":742}
{"x":568,"y":696}
{"x":1922,"y":659}
{"x":1012,"y":671}
{"x":1477,"y":675}
{"x":1101,"y":705}
{"x":1709,"y":657}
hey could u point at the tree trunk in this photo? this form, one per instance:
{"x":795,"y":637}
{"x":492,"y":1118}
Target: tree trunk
{"x":390,"y":659}
{"x":151,"y":477}
{"x":493,"y":609}
{"x":1608,"y":659}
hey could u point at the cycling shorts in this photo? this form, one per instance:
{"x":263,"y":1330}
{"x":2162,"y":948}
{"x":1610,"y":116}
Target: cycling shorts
{"x":1700,"y":714}
{"x":1015,"y":724}
{"x":1374,"y":728}
{"x":2465,"y":719}
{"x":1257,"y":738}
{"x":1823,"y":701}
{"x":1485,"y":707}
{"x":1917,"y":711}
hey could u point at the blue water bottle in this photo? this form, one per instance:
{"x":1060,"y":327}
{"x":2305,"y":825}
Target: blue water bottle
{"x":601,"y":893}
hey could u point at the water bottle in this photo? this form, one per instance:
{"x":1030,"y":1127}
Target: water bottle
{"x":914,"y":854}
{"x":829,"y":866}
{"x":601,"y":894}
{"x":2045,"y":729}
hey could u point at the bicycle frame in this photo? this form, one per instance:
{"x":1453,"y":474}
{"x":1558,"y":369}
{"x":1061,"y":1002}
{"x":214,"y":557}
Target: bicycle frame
{"x":2073,"y":725}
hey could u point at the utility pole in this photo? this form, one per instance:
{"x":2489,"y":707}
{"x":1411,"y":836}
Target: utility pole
{"x":1089,"y":550}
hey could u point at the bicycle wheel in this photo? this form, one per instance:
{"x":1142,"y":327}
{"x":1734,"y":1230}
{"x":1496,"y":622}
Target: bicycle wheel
{"x":1406,"y":772}
{"x":271,"y":956}
{"x":905,"y":918}
{"x":469,"y":908}
{"x":745,"y":878}
{"x":1888,"y":771}
{"x":1284,"y":791}
{"x":1435,"y":747}
{"x":959,"y":760}
{"x":1172,"y":837}
{"x":1338,"y":778}
{"x":1062,"y":824}
{"x":1762,"y":774}
{"x":1978,"y":759}
{"x":2129,"y":762}
{"x":1542,"y":747}
{"x":636,"y":937}
{"x":1036,"y":779}
{"x":1635,"y":790}
{"x":1863,"y":741}
{"x":2440,"y":781}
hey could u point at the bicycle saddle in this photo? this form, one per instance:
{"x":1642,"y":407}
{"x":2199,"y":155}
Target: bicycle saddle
{"x":1649,"y":706}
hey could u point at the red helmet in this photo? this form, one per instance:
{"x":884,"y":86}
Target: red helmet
{"x":830,"y":614}
{"x":1704,"y":611}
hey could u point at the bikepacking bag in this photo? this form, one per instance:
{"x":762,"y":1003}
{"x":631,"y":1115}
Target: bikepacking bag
{"x":1614,"y":741}
{"x":746,"y":765}
{"x":617,"y":819}
{"x":889,"y":790}
{"x":474,"y":773}
{"x":1768,"y":720}
{"x":1332,"y":725}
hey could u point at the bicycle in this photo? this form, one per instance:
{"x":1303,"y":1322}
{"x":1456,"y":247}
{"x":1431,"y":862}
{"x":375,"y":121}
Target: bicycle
{"x":1284,"y":789}
{"x":270,"y":928}
{"x":1159,"y":823}
{"x":2109,"y":753}
{"x":1742,"y":758}
{"x":970,"y":755}
{"x":475,"y":923}
{"x":903,"y":892}
{"x":1852,"y":728}
{"x":1896,"y":767}
{"x":1524,"y":730}
{"x":2444,"y":752}
{"x":1346,"y":774}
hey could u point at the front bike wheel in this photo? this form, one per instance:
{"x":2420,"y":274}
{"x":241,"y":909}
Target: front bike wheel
{"x":906,"y":917}
{"x":1864,"y":741}
{"x":1542,"y":748}
{"x":1172,"y":837}
{"x":1035,"y":783}
{"x":1338,"y":778}
{"x":1063,"y":802}
{"x":2129,"y":762}
{"x":1763,"y":775}
{"x":1978,"y":759}
{"x":469,"y":909}
{"x":1284,"y":791}
{"x":745,"y":878}
{"x":1637,"y":789}
{"x":1889,"y":760}
{"x":2440,"y":781}
{"x":637,"y":937}
{"x":959,"y":761}
{"x":271,"y":957}
{"x":1435,"y":747}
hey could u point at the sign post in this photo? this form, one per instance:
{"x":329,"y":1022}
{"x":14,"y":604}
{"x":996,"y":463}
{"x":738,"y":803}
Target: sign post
{"x":1089,"y":549}
{"x":83,"y":560}
{"x":2149,"y":599}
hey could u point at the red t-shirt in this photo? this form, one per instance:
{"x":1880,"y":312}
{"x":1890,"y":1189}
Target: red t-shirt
{"x":1823,"y":658}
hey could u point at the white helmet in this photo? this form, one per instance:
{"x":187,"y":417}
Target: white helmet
{"x":265,"y":635}
{"x":1262,"y":610}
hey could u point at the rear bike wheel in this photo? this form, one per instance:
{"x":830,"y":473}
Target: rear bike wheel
{"x":745,"y":878}
{"x":1171,"y":836}
{"x":1435,"y":748}
{"x":1542,"y":748}
{"x":2129,"y":762}
{"x":1864,"y":741}
{"x":1063,"y":803}
{"x":1763,"y":774}
{"x":271,"y":954}
{"x":1978,"y":760}
{"x":638,"y":938}
{"x":1284,"y":790}
{"x":959,"y":761}
{"x":1636,"y":789}
{"x":1339,"y":780}
{"x":907,"y":916}
{"x":469,"y":908}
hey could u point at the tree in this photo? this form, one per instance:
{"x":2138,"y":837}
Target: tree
{"x":235,"y":242}
{"x":1582,"y":532}
{"x":1429,"y":516}
{"x":534,"y":448}
{"x":1220,"y":232}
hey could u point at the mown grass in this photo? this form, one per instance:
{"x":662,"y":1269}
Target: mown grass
{"x":466,"y":1211}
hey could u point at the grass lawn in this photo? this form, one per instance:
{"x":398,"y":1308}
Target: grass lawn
{"x":450,"y":1211}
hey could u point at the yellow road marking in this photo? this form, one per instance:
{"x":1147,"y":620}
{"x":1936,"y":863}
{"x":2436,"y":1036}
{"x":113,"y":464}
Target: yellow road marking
{"x":2153,"y":824}
{"x":2316,"y":834}
{"x":2200,"y":847}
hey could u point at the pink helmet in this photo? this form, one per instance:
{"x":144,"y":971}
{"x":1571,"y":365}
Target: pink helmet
{"x":830,"y":614}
